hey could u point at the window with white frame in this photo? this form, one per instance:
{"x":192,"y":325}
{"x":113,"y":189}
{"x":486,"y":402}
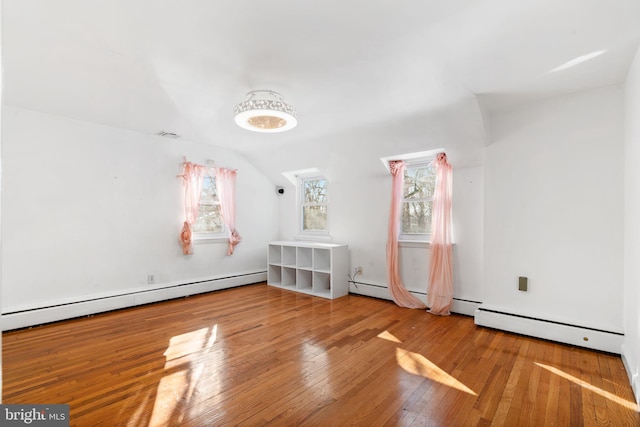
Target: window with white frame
{"x":314,"y":205}
{"x":209,"y":223}
{"x":417,"y":201}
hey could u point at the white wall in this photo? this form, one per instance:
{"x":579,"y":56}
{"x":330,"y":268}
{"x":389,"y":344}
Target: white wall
{"x":1,"y":173}
{"x":360,"y":194}
{"x":631,"y":309}
{"x":90,"y":210}
{"x":554,"y":209}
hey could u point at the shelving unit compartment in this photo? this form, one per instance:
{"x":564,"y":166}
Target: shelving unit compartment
{"x":304,"y":281}
{"x":288,"y":277}
{"x":275,"y":254}
{"x":289,"y":256}
{"x":321,"y":282}
{"x":274,"y":275}
{"x":321,"y":259}
{"x":305,"y":258}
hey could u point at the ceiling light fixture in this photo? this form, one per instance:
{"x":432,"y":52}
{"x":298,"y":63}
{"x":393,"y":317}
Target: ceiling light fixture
{"x":265,"y":111}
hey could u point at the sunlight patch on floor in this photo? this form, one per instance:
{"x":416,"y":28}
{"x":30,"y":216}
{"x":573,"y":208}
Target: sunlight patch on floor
{"x":168,"y":396}
{"x":178,"y":385}
{"x":417,"y":364}
{"x":612,"y":397}
{"x":138,"y":418}
{"x":188,"y":343}
{"x":386,"y":335}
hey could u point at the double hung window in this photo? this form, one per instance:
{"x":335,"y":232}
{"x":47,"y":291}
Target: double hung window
{"x":314,"y":205}
{"x":209,"y":223}
{"x":417,"y":201}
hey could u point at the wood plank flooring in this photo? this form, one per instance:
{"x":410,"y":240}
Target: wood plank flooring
{"x":258,"y":355}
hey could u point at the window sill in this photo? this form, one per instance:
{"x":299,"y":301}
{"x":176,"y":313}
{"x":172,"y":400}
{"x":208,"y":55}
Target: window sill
{"x":312,"y":237}
{"x":414,"y":244}
{"x":208,"y":239}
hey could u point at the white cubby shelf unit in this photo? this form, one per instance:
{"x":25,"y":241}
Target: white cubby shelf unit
{"x":319,"y":269}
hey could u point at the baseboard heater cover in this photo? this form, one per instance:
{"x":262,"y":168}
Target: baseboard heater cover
{"x":580,"y":336}
{"x":459,"y":305}
{"x":42,"y":315}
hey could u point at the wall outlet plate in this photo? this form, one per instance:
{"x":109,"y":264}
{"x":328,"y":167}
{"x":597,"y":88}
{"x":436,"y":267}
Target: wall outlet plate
{"x":523,"y":284}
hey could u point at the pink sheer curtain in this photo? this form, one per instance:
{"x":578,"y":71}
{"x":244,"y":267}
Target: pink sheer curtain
{"x":440,"y":290}
{"x":226,"y":185}
{"x":399,"y":293}
{"x":193,"y":175}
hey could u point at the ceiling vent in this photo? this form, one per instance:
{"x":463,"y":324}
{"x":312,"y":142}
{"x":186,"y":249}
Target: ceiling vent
{"x":168,"y":134}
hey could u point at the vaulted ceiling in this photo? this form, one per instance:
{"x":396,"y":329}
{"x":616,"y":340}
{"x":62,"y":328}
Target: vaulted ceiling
{"x":348,"y":67}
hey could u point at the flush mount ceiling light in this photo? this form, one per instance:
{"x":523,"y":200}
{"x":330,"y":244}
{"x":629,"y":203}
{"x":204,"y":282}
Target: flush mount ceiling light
{"x":265,"y":111}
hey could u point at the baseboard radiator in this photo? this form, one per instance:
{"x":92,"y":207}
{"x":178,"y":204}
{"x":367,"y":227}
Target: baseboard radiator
{"x":459,"y":305}
{"x":581,"y":336}
{"x":98,"y":304}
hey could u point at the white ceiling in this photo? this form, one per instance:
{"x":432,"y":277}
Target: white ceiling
{"x":346,"y":66}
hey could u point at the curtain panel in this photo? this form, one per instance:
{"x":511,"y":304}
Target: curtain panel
{"x":192,"y":175}
{"x":226,"y":185}
{"x":399,"y":293}
{"x":440,"y":287}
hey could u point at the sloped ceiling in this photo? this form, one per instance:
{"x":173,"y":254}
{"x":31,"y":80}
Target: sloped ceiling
{"x":372,"y":68}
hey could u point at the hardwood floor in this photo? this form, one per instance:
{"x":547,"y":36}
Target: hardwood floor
{"x":257,"y":355}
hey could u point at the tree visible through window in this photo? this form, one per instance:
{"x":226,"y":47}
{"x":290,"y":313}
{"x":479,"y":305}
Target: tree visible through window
{"x":314,"y":204}
{"x":417,"y":202}
{"x":209,"y":216}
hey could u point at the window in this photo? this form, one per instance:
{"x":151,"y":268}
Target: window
{"x":209,"y":220}
{"x":417,"y":201}
{"x":314,"y":205}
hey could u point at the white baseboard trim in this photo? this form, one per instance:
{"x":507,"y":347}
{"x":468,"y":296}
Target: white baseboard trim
{"x":550,"y":330}
{"x":369,"y":290}
{"x":459,"y":306}
{"x":632,"y":366}
{"x":99,"y":304}
{"x":465,"y":307}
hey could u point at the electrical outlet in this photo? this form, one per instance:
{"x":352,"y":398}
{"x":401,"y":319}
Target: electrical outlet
{"x":358,"y":270}
{"x":151,"y":279}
